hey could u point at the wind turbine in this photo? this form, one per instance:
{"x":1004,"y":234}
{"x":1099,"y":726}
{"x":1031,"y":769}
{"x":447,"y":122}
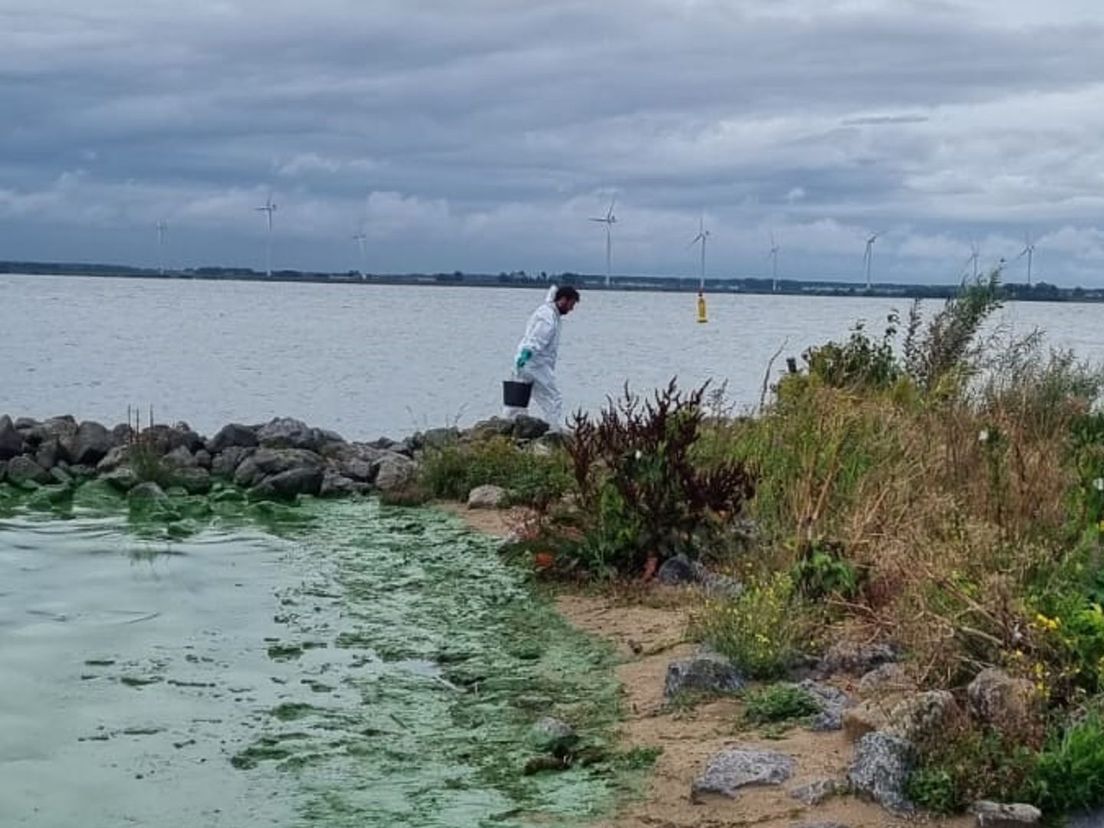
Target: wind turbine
{"x":268,"y":208}
{"x":975,"y":251}
{"x":1029,"y":251}
{"x":774,"y":264}
{"x":703,"y":237}
{"x":868,"y":255}
{"x":361,"y":239}
{"x":609,"y":220}
{"x":162,"y":226}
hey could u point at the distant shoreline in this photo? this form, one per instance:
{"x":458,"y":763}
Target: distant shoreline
{"x":1040,"y":292}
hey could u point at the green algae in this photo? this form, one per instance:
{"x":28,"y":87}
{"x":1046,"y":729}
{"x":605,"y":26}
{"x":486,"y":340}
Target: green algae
{"x":410,"y":665}
{"x":464,"y":658}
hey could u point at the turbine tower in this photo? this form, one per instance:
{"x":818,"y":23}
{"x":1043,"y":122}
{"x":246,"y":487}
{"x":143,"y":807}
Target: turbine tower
{"x":868,"y":256}
{"x":975,"y":251}
{"x":774,"y":264}
{"x":162,"y":226}
{"x":1029,"y":251}
{"x":268,"y":208}
{"x":361,"y":239}
{"x":609,"y":220}
{"x":703,"y":236}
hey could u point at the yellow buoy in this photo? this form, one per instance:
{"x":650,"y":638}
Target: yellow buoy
{"x":701,"y":308}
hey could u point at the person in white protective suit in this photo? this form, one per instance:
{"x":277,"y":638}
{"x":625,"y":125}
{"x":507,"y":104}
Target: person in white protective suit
{"x":535,"y":361}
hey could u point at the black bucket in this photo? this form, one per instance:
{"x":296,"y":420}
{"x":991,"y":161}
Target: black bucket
{"x":516,"y":394}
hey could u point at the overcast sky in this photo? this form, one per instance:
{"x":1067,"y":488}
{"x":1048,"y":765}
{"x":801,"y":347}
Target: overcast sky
{"x":481,"y":135}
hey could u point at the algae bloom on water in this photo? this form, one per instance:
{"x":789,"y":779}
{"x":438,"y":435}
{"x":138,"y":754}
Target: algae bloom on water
{"x":356,"y":665}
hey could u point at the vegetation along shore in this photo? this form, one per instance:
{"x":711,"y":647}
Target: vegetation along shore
{"x":877,"y":600}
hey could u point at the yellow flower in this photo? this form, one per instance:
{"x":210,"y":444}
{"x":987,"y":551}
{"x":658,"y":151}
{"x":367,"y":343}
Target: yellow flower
{"x":1047,"y":623}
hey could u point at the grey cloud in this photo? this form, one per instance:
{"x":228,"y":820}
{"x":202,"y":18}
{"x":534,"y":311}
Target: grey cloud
{"x":459,"y":119}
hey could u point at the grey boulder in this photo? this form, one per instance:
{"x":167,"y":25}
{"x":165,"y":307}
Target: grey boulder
{"x":732,"y":769}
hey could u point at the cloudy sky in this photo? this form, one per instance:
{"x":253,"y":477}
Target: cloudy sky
{"x":481,"y":135}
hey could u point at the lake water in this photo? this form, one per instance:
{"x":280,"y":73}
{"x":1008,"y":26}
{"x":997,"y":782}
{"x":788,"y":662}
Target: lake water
{"x":371,"y":360}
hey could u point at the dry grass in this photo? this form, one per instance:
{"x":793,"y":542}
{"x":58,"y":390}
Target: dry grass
{"x":946,"y":508}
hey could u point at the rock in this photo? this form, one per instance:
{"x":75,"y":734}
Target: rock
{"x":815,"y":792}
{"x":1002,"y":815}
{"x":286,"y":432}
{"x":24,"y":472}
{"x":881,"y":768}
{"x":226,"y":462}
{"x":203,"y":459}
{"x":194,"y":479}
{"x":886,"y":679}
{"x":529,"y":428}
{"x":234,"y":435}
{"x":487,"y":429}
{"x":123,"y":479}
{"x":190,"y":440}
{"x":360,"y":469}
{"x":267,"y":461}
{"x":552,"y":735}
{"x":148,"y":492}
{"x":705,"y":673}
{"x":720,"y":586}
{"x":92,"y":443}
{"x":61,"y":427}
{"x":856,"y":659}
{"x":60,"y":475}
{"x":819,"y":825}
{"x":335,"y":485}
{"x":395,"y":472}
{"x":863,"y":718}
{"x":923,"y":715}
{"x":81,"y":472}
{"x":160,"y":439}
{"x":732,"y":769}
{"x":113,"y":459}
{"x":11,"y":441}
{"x":122,"y":435}
{"x":49,"y":453}
{"x":486,"y":497}
{"x":680,"y":570}
{"x":3,"y":470}
{"x":997,"y":698}
{"x":832,"y":703}
{"x":288,"y":484}
{"x":180,"y":458}
{"x":438,"y":438}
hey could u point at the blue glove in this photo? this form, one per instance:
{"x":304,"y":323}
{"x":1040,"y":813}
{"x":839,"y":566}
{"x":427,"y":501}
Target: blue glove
{"x":523,"y":357}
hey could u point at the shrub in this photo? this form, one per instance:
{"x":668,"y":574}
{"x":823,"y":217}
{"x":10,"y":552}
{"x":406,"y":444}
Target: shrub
{"x":1069,"y":774}
{"x":148,"y":465}
{"x":454,"y":470}
{"x":947,"y":345}
{"x":1068,"y":636}
{"x":860,"y":362}
{"x":822,"y":572}
{"x":779,"y":703}
{"x":643,"y":494}
{"x":759,"y":629}
{"x":968,"y":763}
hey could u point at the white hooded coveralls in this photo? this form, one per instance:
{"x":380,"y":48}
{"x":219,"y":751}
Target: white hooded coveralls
{"x":542,"y":337}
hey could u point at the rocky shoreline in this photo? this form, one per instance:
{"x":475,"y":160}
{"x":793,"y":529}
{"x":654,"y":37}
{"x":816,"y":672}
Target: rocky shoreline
{"x":277,"y":460}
